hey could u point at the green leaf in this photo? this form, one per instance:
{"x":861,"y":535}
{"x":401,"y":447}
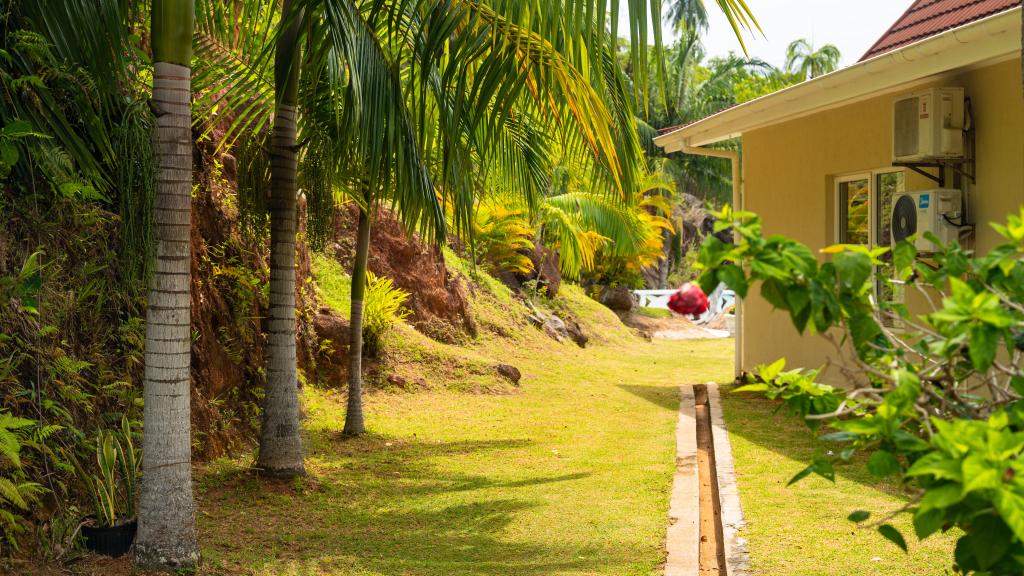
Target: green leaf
{"x":8,"y":153}
{"x":858,"y":516}
{"x":983,"y":347}
{"x":937,"y":465}
{"x":756,"y":387}
{"x":734,"y":278}
{"x":942,"y":496}
{"x":853,"y":269}
{"x":903,"y":256}
{"x":990,"y":540}
{"x":927,"y":523}
{"x":771,"y":371}
{"x":882,"y":463}
{"x":890,"y":533}
{"x":1011,"y":508}
{"x":774,"y":292}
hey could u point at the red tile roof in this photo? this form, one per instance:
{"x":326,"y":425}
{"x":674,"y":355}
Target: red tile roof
{"x":927,"y":18}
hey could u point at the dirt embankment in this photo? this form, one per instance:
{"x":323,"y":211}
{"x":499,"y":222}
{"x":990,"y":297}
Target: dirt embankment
{"x":438,"y":299}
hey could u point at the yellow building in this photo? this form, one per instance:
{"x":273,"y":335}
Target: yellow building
{"x":814,"y":153}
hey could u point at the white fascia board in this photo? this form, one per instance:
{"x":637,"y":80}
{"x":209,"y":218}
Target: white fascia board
{"x":987,"y":39}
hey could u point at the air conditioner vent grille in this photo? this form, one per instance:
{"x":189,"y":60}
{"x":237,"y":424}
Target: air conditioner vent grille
{"x":904,"y":218}
{"x":907,"y":137}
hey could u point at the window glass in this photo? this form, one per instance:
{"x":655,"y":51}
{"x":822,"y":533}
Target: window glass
{"x":855,"y":211}
{"x":888,"y":186}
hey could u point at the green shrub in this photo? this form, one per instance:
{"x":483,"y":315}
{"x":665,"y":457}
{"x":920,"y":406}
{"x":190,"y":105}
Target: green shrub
{"x":383,"y":307}
{"x":938,"y":403}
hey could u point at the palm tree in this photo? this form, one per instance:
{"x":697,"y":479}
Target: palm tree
{"x":280,"y":451}
{"x":166,"y":531}
{"x":803,"y":59}
{"x":438,"y":106}
{"x":688,"y":14}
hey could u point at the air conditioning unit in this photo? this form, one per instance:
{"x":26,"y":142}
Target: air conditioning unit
{"x":937,"y":211}
{"x":928,"y":126}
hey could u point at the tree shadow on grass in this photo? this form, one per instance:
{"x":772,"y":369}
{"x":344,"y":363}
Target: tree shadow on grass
{"x":378,"y":505}
{"x":759,"y":421}
{"x":666,"y":397}
{"x":762,"y":422}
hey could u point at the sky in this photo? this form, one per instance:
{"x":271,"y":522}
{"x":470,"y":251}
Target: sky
{"x":852,"y":25}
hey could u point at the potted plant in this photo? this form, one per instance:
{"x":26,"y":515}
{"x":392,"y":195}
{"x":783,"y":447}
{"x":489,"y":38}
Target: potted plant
{"x":112,"y":530}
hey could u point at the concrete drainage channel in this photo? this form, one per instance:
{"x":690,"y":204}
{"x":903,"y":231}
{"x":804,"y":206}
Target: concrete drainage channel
{"x":705,"y":514}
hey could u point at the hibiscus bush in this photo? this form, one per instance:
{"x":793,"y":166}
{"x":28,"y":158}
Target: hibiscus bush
{"x":932,"y":395}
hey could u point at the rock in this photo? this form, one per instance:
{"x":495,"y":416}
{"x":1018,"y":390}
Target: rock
{"x":332,"y":361}
{"x":555,"y":328}
{"x":510,"y":373}
{"x":405,"y":383}
{"x":547,"y":269}
{"x":575,"y":332}
{"x":618,"y":298}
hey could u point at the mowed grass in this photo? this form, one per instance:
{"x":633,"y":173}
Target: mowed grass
{"x":802,"y":530}
{"x":569,"y":474}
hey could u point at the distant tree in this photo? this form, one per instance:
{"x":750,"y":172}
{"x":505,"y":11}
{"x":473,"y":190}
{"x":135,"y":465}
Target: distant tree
{"x":804,"y":59}
{"x":688,"y":14}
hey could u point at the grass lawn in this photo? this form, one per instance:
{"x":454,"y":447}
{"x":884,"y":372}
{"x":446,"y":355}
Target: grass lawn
{"x":654,"y":312}
{"x":802,"y":530}
{"x":569,"y":474}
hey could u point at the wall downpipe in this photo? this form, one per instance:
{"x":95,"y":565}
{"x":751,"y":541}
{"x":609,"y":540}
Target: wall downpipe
{"x":737,"y":204}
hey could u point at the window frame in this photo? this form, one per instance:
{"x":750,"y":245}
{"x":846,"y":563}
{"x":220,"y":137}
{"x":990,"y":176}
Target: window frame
{"x":838,"y":202}
{"x":873,"y":199}
{"x":874,"y":204}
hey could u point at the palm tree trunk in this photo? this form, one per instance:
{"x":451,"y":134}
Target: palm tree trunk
{"x":166,"y":531}
{"x":280,"y":440}
{"x":354,"y":424}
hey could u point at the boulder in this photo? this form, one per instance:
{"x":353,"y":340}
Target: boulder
{"x":575,"y":332}
{"x":332,"y":361}
{"x":510,"y":373}
{"x":618,"y":298}
{"x":555,"y":328}
{"x":547,"y":269}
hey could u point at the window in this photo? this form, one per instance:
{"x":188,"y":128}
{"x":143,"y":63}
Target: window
{"x":863,"y":216}
{"x":853,"y":197}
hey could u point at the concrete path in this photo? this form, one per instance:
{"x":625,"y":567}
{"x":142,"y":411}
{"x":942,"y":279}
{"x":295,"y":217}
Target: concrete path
{"x":683,"y":540}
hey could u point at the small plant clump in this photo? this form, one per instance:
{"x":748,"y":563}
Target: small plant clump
{"x":384,"y":307}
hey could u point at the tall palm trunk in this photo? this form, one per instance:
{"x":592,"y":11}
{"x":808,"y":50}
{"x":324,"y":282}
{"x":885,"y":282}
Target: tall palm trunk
{"x":166,"y":531}
{"x":280,"y":440}
{"x":354,"y":424}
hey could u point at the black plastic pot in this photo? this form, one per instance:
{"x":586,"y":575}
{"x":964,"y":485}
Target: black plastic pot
{"x":113,"y":541}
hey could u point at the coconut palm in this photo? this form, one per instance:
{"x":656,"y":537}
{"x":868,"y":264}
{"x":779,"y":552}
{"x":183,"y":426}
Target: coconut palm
{"x":804,"y":59}
{"x":166,"y":530}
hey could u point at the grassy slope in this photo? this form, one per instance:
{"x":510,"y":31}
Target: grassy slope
{"x":802,"y":530}
{"x":568,"y":474}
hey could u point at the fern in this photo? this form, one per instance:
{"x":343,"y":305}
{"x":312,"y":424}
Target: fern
{"x":12,"y":434}
{"x":383,"y":307}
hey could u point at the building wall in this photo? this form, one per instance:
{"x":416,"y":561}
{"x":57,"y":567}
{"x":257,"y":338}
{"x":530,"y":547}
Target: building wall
{"x":789,"y":168}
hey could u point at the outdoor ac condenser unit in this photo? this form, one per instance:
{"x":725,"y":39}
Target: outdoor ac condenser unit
{"x":928,"y":126}
{"x":937,"y":211}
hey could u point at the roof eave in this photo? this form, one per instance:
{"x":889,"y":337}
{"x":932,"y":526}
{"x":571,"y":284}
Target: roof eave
{"x":986,"y":39}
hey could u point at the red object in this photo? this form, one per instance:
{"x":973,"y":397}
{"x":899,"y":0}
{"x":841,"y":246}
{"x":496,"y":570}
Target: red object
{"x":926,"y":18}
{"x":690,"y":299}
